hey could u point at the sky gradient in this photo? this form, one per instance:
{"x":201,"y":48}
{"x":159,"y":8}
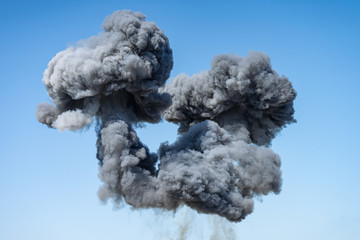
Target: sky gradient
{"x":49,"y":179}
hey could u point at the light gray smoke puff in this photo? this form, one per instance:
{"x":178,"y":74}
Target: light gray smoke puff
{"x":218,"y":163}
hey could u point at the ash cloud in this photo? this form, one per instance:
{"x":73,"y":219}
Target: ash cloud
{"x":241,"y":94}
{"x":227,"y":117}
{"x":124,"y":65}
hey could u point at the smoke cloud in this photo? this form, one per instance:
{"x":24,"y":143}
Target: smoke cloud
{"x":227,"y":117}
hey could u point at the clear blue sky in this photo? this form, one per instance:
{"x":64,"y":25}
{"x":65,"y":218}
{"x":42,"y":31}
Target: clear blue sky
{"x":48,"y":180}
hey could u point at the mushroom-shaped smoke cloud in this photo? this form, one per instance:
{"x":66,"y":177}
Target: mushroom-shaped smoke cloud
{"x":227,"y":117}
{"x":122,"y":68}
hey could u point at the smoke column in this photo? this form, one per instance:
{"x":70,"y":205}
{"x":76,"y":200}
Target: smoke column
{"x":227,"y":117}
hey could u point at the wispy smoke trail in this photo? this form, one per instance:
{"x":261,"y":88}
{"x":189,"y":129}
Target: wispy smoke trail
{"x":221,"y":230}
{"x":227,"y":117}
{"x":210,"y":227}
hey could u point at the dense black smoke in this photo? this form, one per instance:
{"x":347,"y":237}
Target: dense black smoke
{"x":227,"y":117}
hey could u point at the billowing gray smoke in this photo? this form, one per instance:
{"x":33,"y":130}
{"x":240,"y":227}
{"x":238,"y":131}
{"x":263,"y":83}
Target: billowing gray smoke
{"x":227,"y":117}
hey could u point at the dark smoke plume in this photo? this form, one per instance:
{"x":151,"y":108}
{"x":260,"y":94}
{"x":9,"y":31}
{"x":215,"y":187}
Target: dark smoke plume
{"x":227,"y":117}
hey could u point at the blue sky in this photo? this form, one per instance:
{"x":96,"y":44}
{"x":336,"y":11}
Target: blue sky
{"x":49,"y":180}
